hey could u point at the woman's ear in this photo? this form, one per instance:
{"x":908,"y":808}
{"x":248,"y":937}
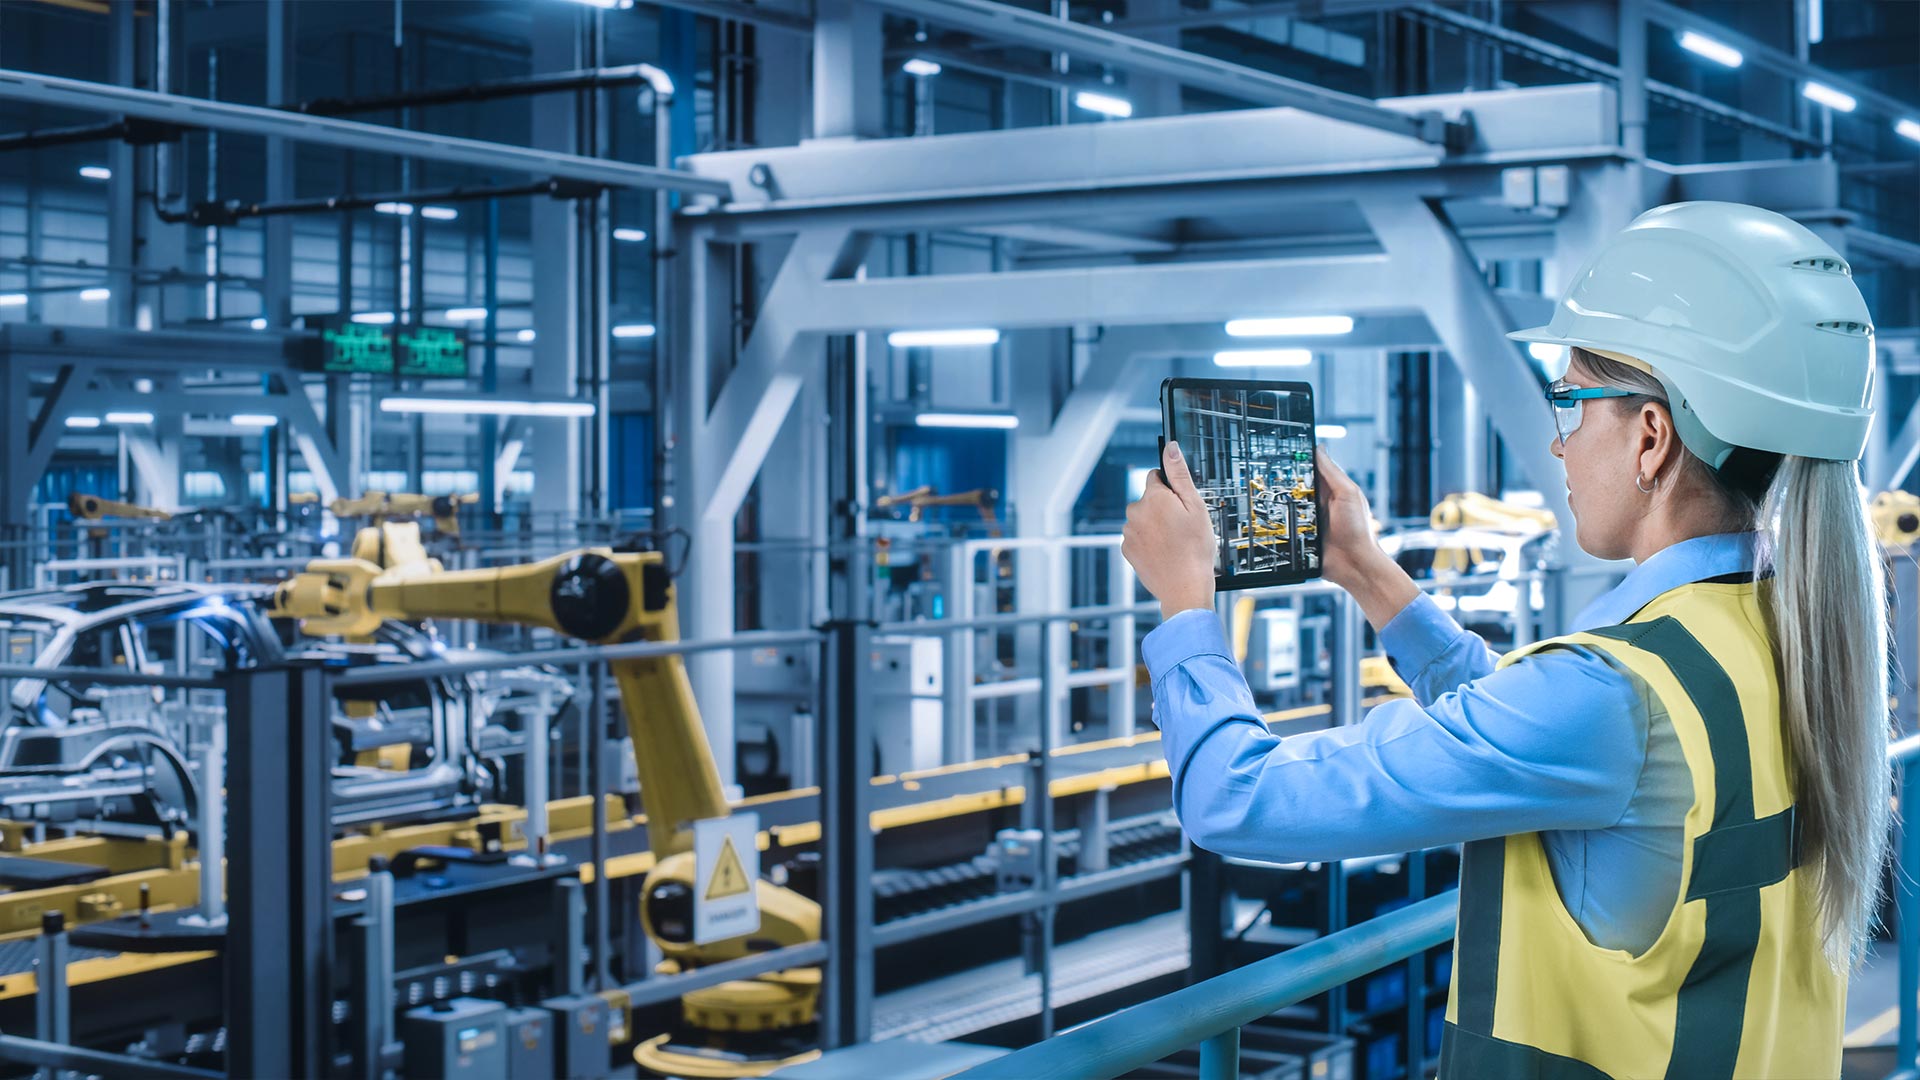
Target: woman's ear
{"x":1658,"y":439}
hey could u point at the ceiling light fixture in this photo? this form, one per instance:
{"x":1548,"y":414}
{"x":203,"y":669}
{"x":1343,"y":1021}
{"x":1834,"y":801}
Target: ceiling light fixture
{"x":911,"y":339}
{"x":1104,"y":104}
{"x":1294,"y":326}
{"x":1263,"y":357}
{"x":1701,"y":45}
{"x":1828,"y":96}
{"x":1004,"y":421}
{"x":476,"y":406}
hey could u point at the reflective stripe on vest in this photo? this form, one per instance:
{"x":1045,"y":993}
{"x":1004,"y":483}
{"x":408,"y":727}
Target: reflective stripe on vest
{"x":1705,"y":992}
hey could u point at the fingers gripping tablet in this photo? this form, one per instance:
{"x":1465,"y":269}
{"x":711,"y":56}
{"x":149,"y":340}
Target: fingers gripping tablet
{"x":1250,"y":447}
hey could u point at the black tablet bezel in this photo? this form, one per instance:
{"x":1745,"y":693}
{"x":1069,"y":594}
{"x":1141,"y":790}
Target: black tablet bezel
{"x":1226,"y":582}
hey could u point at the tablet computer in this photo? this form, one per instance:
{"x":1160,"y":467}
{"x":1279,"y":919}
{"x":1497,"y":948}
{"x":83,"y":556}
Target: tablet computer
{"x":1250,"y":447}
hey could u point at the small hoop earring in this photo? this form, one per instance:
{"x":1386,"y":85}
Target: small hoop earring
{"x":1647,"y":490}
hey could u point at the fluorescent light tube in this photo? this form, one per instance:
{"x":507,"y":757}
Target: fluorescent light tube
{"x":630,"y":236}
{"x":466,"y":314}
{"x":258,"y":324}
{"x":1719,"y":53}
{"x":16,"y":299}
{"x":487,"y":406}
{"x":83,"y":421}
{"x":96,"y":172}
{"x":908,"y":339}
{"x":1104,"y":104}
{"x":525,"y":335}
{"x":397,"y":208}
{"x":1330,"y":431}
{"x":94,"y":296}
{"x":967,"y":420}
{"x":1546,"y":351}
{"x":920,"y":69}
{"x":1297,"y":326}
{"x":1828,"y":96}
{"x":439,"y":213}
{"x":633,"y":330}
{"x":129,"y":418}
{"x":1263,"y":357}
{"x":607,"y":5}
{"x":253,"y":420}
{"x":1909,"y":129}
{"x":373,"y":318}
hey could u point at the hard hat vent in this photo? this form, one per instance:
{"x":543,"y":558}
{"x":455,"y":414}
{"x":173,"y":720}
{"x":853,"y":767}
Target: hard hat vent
{"x":1825,"y":264}
{"x":1845,"y":327}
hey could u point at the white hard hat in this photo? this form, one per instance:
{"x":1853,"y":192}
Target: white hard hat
{"x":1751,"y":322}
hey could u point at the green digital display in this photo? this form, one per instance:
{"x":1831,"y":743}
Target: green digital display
{"x":351,"y":348}
{"x":432,"y":352}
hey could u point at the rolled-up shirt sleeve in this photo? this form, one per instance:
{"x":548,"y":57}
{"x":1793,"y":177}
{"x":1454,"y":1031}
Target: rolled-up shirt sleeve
{"x":1556,"y":741}
{"x":1432,"y":651}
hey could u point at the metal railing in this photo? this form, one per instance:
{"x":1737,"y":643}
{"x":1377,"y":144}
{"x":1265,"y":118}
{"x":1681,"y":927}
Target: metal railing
{"x":1211,"y":1013}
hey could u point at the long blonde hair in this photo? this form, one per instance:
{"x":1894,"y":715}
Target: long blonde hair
{"x":1825,"y":599}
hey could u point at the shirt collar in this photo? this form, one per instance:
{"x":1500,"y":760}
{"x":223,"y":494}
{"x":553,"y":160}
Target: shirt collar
{"x":1684,"y":563}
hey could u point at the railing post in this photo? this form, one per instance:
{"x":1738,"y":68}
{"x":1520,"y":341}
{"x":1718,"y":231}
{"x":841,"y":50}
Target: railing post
{"x":1220,"y":1056}
{"x":846,"y":806}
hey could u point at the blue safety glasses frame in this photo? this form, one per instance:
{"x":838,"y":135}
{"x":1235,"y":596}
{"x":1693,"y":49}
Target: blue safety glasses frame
{"x":1566,"y":400}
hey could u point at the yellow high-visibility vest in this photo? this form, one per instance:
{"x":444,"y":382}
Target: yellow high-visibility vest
{"x":1737,"y":984}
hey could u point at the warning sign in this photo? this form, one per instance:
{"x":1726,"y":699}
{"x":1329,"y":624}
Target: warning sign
{"x":729,"y":879}
{"x":726,"y":863}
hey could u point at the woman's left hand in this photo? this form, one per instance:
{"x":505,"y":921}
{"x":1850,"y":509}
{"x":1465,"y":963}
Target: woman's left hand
{"x":1169,"y":538}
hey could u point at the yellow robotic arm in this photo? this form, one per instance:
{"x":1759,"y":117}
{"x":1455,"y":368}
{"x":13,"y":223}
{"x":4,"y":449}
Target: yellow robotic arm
{"x":93,"y":508}
{"x":1896,"y":519}
{"x":609,"y":597}
{"x":443,"y":509}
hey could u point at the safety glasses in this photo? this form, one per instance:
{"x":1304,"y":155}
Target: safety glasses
{"x":1567,"y":400}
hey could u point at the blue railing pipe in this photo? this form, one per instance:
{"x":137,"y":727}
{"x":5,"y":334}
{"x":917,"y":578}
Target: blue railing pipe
{"x":1218,"y":1007}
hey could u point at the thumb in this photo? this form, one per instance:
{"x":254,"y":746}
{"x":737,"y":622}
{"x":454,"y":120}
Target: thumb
{"x":1179,"y":477}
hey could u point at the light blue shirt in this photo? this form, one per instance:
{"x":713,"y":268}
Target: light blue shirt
{"x":1564,"y":743}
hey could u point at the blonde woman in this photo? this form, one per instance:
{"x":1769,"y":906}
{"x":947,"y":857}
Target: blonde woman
{"x":1674,"y":818}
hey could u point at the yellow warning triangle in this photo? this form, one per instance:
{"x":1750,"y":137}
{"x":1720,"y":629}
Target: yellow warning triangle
{"x":729,"y":877}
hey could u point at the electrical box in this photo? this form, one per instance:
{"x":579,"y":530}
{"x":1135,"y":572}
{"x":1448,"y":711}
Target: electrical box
{"x":580,"y":1033}
{"x":906,"y":680}
{"x":1273,"y":654}
{"x":530,"y":1050}
{"x":461,"y":1039}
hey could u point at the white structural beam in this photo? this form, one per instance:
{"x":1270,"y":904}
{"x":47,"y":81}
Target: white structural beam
{"x":1004,"y":22}
{"x":1117,"y":295}
{"x":56,"y":92}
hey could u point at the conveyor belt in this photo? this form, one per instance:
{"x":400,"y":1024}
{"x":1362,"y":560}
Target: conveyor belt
{"x":17,"y":957}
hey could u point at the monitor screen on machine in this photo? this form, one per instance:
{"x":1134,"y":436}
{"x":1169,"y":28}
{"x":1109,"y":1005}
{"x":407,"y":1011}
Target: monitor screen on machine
{"x":1250,"y":447}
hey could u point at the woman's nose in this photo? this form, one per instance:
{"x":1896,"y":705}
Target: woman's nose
{"x":1556,"y":446}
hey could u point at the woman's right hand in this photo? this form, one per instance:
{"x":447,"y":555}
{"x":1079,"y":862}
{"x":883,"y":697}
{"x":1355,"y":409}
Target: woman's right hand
{"x":1350,"y":557}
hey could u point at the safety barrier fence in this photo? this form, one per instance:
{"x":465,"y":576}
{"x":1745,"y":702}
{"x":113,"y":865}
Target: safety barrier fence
{"x":1210,"y":1013}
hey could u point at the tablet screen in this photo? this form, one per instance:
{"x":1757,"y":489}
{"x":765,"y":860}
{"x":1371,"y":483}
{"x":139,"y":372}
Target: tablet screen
{"x":1250,"y":447}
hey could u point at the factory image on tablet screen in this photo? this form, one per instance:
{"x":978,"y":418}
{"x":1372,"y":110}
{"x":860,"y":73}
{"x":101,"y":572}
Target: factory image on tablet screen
{"x":1250,"y":447}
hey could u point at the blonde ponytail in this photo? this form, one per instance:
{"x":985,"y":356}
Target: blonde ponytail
{"x":1826,"y":605}
{"x":1824,"y":597}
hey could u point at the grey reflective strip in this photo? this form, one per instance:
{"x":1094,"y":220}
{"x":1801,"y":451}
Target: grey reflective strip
{"x":1750,"y":856}
{"x":1483,"y":869}
{"x":1470,"y":1055}
{"x":1713,"y":998}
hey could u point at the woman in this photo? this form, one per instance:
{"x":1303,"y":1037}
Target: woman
{"x":1675,"y":819}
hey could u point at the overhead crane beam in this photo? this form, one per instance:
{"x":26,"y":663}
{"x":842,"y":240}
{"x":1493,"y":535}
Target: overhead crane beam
{"x":191,"y":112}
{"x":1003,"y":22}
